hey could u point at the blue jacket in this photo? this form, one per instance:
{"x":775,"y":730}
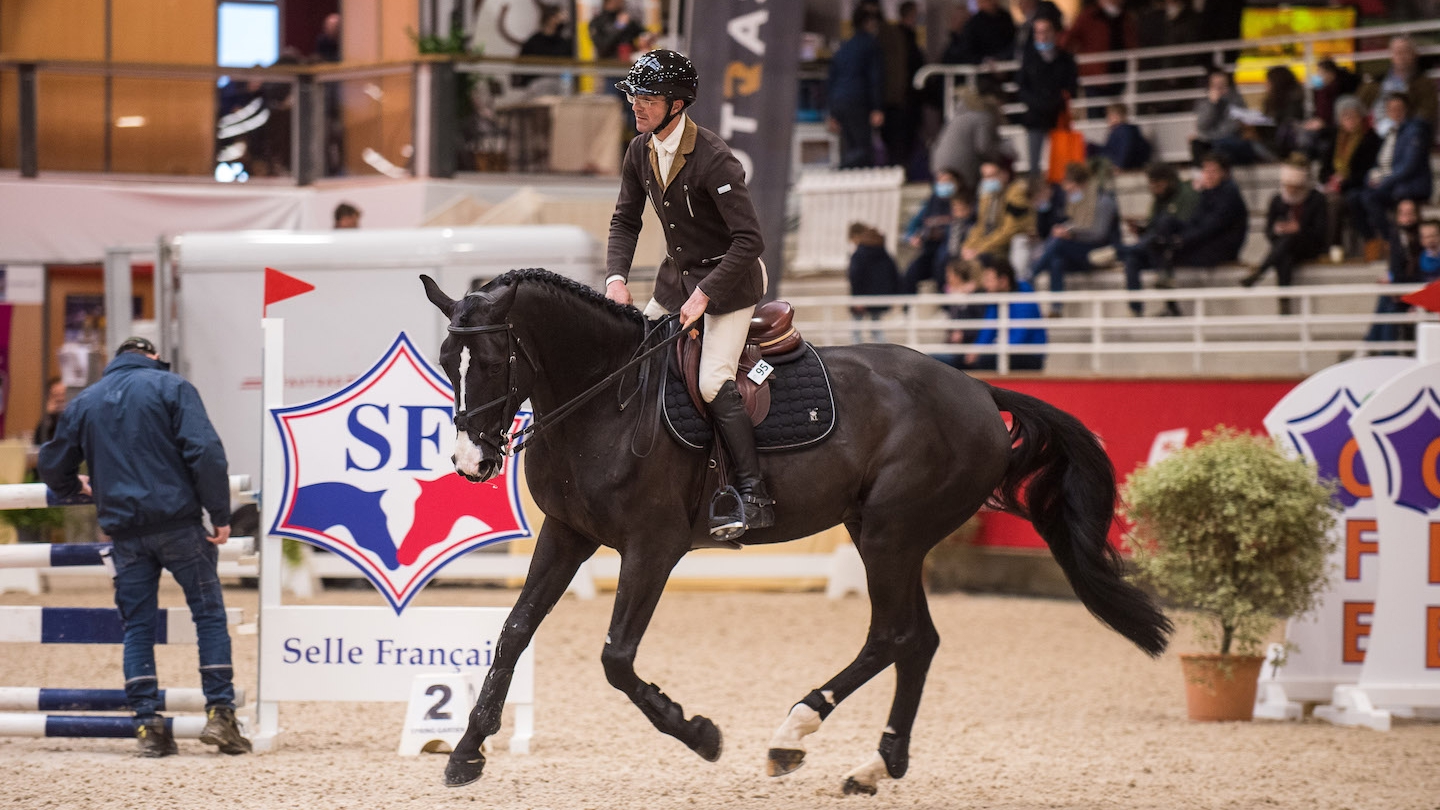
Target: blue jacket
{"x":857,"y":74}
{"x":1019,"y":311}
{"x":1126,"y":147}
{"x":153,"y":455}
{"x":1410,"y":177}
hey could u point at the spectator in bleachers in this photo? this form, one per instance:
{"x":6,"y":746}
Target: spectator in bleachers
{"x":971,"y":133}
{"x":1212,"y":236}
{"x":1404,"y":268}
{"x":1030,"y":11}
{"x":1401,"y":172}
{"x":997,"y":276}
{"x":1217,"y":129}
{"x":989,"y":34}
{"x":1102,"y":25}
{"x":959,"y":280}
{"x":614,"y":31}
{"x":1168,"y":23}
{"x":1048,"y":80}
{"x":1352,"y":152}
{"x":1334,"y":82}
{"x":1294,"y":225}
{"x":1404,"y":76}
{"x":872,"y":272}
{"x":962,"y":220}
{"x":1429,"y":251}
{"x":1173,"y":203}
{"x":857,"y":90}
{"x":1048,"y":200}
{"x":1001,"y":213}
{"x":927,"y":232}
{"x":1126,"y":147}
{"x":1092,"y":220}
{"x":1284,"y":105}
{"x":901,"y":57}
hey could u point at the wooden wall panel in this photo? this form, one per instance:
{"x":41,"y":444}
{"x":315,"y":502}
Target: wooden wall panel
{"x":170,"y":31}
{"x":70,"y":112}
{"x":47,"y":29}
{"x":9,"y":123}
{"x":179,"y":132}
{"x":398,"y":20}
{"x":25,"y":395}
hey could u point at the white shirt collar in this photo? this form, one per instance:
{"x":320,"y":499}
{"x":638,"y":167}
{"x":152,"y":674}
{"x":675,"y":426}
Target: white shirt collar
{"x":670,"y":144}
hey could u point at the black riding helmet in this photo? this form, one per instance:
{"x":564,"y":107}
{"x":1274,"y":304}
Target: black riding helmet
{"x":665,"y":73}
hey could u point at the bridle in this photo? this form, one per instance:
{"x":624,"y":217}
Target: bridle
{"x":508,"y":445}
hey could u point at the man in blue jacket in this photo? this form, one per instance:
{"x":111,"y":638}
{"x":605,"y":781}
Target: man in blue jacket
{"x":857,"y":88}
{"x":1402,"y":172}
{"x":155,"y":463}
{"x":998,"y":276}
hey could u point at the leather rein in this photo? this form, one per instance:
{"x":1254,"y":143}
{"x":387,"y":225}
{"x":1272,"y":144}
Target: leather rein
{"x":508,"y":445}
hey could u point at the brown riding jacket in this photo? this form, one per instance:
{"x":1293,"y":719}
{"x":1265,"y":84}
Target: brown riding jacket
{"x":712,"y":234}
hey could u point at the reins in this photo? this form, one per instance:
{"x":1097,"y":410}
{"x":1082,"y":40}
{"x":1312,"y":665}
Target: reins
{"x":511,"y":445}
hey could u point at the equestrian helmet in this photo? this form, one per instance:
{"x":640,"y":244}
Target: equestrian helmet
{"x":661,"y":72}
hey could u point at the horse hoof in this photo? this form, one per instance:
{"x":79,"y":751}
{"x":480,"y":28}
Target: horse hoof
{"x":708,"y":742}
{"x":459,"y":772}
{"x":854,"y":787}
{"x":784,"y":760}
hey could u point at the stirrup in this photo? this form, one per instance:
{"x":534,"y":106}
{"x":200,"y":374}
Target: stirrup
{"x":728,"y":525}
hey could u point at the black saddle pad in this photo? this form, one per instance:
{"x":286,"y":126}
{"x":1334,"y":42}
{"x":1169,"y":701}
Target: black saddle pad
{"x":802,"y":407}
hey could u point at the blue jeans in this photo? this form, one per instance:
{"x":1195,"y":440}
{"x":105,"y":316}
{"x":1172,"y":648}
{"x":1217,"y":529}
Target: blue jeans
{"x":1061,"y":256}
{"x":191,"y":558}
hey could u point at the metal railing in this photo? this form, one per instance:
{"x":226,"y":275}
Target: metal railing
{"x":1134,"y":75}
{"x":1328,"y":320}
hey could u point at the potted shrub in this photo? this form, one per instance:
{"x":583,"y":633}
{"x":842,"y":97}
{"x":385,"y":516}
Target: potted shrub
{"x":1239,"y":533}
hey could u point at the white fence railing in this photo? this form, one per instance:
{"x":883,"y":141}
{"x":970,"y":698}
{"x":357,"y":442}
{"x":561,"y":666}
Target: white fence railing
{"x":1327,"y":320}
{"x":829,"y":200}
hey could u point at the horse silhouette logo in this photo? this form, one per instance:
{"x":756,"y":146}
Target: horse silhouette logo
{"x":368,"y":476}
{"x":1409,"y":438}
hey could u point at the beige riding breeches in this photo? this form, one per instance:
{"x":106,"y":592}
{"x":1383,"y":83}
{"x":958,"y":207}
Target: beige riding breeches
{"x":724,"y":340}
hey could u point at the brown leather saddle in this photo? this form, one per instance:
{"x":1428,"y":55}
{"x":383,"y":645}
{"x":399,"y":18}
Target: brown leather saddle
{"x":772,"y":337}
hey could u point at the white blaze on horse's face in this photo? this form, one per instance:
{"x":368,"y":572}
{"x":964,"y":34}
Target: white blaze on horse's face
{"x":467,"y":453}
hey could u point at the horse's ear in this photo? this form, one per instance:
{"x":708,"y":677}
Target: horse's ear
{"x":437,"y":296}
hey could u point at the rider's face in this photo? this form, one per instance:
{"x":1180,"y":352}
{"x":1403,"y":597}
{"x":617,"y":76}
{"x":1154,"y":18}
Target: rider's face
{"x":649,"y":112}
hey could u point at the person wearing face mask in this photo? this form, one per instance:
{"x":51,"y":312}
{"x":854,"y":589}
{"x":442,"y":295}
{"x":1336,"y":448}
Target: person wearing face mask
{"x":1002,"y":212}
{"x":1102,"y":25}
{"x":1092,"y":221}
{"x":1406,"y":77}
{"x":1295,"y":226}
{"x":927,"y":232}
{"x":1030,"y":11}
{"x":1402,"y":172}
{"x":1048,"y":78}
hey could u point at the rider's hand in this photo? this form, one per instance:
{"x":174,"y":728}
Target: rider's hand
{"x":619,"y":293}
{"x":694,"y":307}
{"x":222,"y":533}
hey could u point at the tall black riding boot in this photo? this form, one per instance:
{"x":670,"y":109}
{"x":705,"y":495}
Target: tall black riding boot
{"x":727,"y":413}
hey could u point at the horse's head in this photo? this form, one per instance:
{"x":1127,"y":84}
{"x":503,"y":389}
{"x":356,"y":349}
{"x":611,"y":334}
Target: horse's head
{"x":481,"y":355}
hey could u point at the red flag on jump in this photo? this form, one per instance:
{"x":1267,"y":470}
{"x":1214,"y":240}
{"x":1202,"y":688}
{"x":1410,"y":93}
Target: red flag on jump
{"x":1427,"y":297}
{"x":279,"y":286}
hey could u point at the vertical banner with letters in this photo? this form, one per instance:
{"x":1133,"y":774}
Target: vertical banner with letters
{"x":1329,"y":643}
{"x":747,"y":53}
{"x":1398,"y":433}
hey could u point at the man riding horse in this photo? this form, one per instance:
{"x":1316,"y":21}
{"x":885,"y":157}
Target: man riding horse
{"x":712,"y":265}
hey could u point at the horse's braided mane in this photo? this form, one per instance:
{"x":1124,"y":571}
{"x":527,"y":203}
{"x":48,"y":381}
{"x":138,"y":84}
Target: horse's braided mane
{"x":569,"y":285}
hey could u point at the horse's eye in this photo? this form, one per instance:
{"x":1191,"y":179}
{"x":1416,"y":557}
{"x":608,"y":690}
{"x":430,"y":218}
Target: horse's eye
{"x":496,"y":368}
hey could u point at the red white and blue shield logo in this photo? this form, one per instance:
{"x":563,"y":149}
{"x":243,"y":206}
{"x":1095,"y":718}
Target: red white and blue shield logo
{"x":368,"y":476}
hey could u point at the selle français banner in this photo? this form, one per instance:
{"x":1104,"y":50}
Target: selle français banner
{"x":747,"y":54}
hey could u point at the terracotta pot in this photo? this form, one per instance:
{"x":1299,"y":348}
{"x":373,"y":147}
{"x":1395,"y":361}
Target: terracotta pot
{"x":1221,"y":687}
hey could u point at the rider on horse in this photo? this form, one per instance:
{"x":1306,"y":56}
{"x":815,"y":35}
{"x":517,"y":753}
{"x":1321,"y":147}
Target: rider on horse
{"x":712,"y":263}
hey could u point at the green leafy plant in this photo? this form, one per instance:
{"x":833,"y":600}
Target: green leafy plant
{"x":1235,"y":530}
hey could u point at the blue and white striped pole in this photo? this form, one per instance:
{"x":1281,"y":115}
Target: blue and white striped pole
{"x":62,"y":625}
{"x":46,"y":699}
{"x":77,"y":725}
{"x":76,"y":555}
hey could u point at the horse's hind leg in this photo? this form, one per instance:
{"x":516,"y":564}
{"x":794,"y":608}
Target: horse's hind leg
{"x":559,"y":552}
{"x":642,"y":579}
{"x":900,"y":631}
{"x":917,"y":641}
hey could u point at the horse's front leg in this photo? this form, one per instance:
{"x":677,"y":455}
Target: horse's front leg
{"x":642,"y":578}
{"x":559,"y":552}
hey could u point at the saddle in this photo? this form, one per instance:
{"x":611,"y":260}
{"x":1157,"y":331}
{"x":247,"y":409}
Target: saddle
{"x":772,"y":338}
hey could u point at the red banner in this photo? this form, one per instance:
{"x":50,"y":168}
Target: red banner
{"x":1129,"y":415}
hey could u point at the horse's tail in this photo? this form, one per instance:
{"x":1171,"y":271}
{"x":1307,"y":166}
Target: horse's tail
{"x":1060,"y":479}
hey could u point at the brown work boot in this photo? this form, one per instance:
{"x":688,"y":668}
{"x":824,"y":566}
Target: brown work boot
{"x":222,"y":730}
{"x":154,"y":739}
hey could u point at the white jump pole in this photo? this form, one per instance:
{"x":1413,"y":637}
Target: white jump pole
{"x":272,"y":564}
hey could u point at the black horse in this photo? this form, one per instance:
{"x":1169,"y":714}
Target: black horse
{"x":917,"y":448}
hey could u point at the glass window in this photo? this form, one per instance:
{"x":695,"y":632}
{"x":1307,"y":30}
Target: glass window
{"x":248,"y":34}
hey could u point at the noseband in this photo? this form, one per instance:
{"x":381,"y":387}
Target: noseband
{"x":500,"y":442}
